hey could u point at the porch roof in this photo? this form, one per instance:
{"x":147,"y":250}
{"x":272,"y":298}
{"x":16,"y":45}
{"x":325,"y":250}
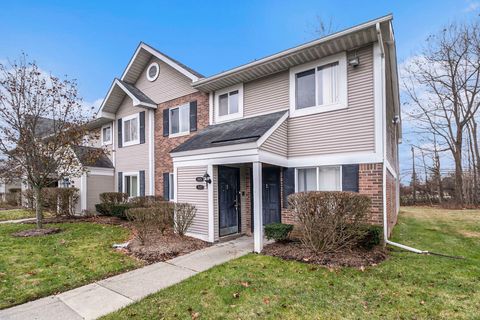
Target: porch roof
{"x":231,"y":133}
{"x":92,"y":157}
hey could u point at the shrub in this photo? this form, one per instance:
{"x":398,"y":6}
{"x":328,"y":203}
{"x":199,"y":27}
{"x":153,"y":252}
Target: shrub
{"x":28,"y":198}
{"x":372,"y":237}
{"x":114,"y":197}
{"x":14,"y":197}
{"x":119,"y":210}
{"x":330,"y":221}
{"x":155,"y":218}
{"x":145,"y":201}
{"x":184,"y":214}
{"x":278,"y":231}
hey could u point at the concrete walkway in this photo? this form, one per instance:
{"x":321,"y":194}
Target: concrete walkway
{"x":102,"y":297}
{"x":17,"y":220}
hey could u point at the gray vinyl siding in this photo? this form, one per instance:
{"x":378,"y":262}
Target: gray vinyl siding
{"x":215,"y":203}
{"x":266,"y":95}
{"x":132,"y":158}
{"x":97,"y":184}
{"x":340,"y":131}
{"x":391,"y":134}
{"x":187,"y":192}
{"x":169,"y":85}
{"x":277,"y":142}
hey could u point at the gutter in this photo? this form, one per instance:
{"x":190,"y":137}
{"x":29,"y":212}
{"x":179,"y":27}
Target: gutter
{"x":384,"y":168}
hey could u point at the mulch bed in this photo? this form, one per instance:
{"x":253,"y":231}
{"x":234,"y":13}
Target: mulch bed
{"x":36,"y":232}
{"x":92,"y":219}
{"x":164,"y":247}
{"x":357,"y":258}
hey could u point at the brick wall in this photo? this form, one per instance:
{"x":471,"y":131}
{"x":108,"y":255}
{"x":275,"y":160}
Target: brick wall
{"x":163,"y":145}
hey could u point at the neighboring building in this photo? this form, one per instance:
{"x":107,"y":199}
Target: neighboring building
{"x":8,"y":188}
{"x":321,"y":116}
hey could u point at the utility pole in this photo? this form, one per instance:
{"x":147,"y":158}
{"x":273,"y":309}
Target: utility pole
{"x":414,"y":178}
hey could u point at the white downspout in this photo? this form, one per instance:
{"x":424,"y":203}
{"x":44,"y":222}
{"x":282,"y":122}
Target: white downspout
{"x":384,"y":168}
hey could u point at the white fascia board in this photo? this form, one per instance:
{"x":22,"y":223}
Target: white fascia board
{"x":162,"y":57}
{"x":100,"y":171}
{"x":335,"y":159}
{"x":281,"y":54}
{"x":270,"y":131}
{"x":136,"y":102}
{"x":107,"y":115}
{"x":208,"y":151}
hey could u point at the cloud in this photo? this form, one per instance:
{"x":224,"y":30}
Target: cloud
{"x":472,"y":6}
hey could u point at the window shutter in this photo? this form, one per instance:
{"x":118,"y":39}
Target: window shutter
{"x":166,"y":186}
{"x":350,"y":177}
{"x":193,"y":116}
{"x":142,"y":126}
{"x":119,"y":129}
{"x":120,"y":182}
{"x":142,"y":182}
{"x":166,"y":124}
{"x":288,"y":184}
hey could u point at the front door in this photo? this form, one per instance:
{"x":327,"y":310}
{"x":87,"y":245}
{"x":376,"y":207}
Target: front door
{"x":271,"y":195}
{"x":229,"y":200}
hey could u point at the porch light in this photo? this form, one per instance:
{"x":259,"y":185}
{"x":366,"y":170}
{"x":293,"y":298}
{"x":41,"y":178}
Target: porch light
{"x":206,"y":178}
{"x":354,"y":62}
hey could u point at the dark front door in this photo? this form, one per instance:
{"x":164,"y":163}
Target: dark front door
{"x":271,"y":195}
{"x":229,"y":200}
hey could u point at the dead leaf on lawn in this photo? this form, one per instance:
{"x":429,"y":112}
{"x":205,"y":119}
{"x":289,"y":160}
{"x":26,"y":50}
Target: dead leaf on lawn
{"x":195,"y":315}
{"x":362,"y":268}
{"x":236,"y":295}
{"x":266,"y":300}
{"x":422,"y":302}
{"x":63,"y":241}
{"x":245,"y":284}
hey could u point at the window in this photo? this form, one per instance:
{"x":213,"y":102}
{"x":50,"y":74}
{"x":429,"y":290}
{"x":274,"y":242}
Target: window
{"x":171,"y":184}
{"x":319,"y":86}
{"x":180,"y":120}
{"x":319,"y":179}
{"x":153,"y":71}
{"x":131,"y":130}
{"x":131,"y":184}
{"x":106,"y":134}
{"x":229,"y":103}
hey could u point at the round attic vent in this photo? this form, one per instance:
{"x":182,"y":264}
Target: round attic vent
{"x":153,"y":71}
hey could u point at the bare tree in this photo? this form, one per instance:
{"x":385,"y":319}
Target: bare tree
{"x":443,"y":84}
{"x":42,"y":118}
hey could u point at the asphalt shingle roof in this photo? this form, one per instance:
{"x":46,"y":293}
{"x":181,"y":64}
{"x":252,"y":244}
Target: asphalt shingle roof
{"x":86,"y":154}
{"x":136,"y":92}
{"x":231,"y":133}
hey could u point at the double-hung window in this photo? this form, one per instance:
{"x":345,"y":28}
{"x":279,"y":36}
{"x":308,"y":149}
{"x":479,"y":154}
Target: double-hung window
{"x":131,"y":130}
{"x":131,"y":184}
{"x":107,"y":134}
{"x":180,"y":120}
{"x":328,"y":178}
{"x":229,"y":103}
{"x":319,"y":86}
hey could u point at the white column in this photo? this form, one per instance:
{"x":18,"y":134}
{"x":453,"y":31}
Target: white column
{"x":211,"y":212}
{"x":257,"y":207}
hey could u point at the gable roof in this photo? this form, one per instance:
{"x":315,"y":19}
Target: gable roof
{"x":231,"y":133}
{"x":142,"y":56}
{"x":347,"y":39}
{"x":86,"y":154}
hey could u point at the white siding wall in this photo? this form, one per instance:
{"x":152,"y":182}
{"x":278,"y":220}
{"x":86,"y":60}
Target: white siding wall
{"x":187,"y":192}
{"x":266,"y":95}
{"x":97,"y":184}
{"x":277,"y":142}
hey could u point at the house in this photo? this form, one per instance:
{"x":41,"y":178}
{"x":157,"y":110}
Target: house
{"x":8,"y":189}
{"x":324,"y":115}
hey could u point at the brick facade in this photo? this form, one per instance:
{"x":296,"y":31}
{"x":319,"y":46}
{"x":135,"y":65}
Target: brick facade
{"x":163,"y":145}
{"x":370,"y":183}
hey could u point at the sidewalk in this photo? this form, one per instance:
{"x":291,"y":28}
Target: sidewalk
{"x":100,"y":298}
{"x":17,"y":220}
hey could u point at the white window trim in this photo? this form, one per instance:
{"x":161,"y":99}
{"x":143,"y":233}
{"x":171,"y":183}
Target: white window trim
{"x":318,"y":175}
{"x":179,"y":134}
{"x":109,"y":142}
{"x":341,"y":58}
{"x":171,"y":191}
{"x":131,"y":174}
{"x":151,"y":79}
{"x":127,"y":118}
{"x":233,"y":116}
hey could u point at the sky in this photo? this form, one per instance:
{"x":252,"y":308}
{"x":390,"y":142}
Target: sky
{"x":92,"y":41}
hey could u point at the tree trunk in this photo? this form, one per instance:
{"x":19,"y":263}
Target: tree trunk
{"x":458,"y":177}
{"x":38,"y":207}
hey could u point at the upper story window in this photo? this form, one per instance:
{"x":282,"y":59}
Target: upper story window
{"x":319,"y":86}
{"x":229,"y":103}
{"x":328,"y":178}
{"x":107,"y":134}
{"x":131,"y":130}
{"x":180,"y":120}
{"x":153,"y":71}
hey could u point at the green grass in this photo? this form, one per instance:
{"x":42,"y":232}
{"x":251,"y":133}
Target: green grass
{"x":34,"y":267}
{"x":15,"y":214}
{"x":406,"y":286}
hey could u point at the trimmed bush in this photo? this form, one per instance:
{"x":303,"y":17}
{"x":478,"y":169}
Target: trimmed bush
{"x":278,"y":231}
{"x":62,"y":201}
{"x":114,"y":210}
{"x":145,"y":201}
{"x":184,"y":214}
{"x":147,"y":220}
{"x":372,"y":238}
{"x":330,"y":221}
{"x":114,"y":197}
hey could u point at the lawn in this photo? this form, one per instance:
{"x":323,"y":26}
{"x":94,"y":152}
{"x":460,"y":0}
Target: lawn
{"x":14,"y":214}
{"x":34,"y":267}
{"x":406,"y":286}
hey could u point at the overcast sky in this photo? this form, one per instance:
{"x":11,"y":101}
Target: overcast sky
{"x":93,"y":41}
